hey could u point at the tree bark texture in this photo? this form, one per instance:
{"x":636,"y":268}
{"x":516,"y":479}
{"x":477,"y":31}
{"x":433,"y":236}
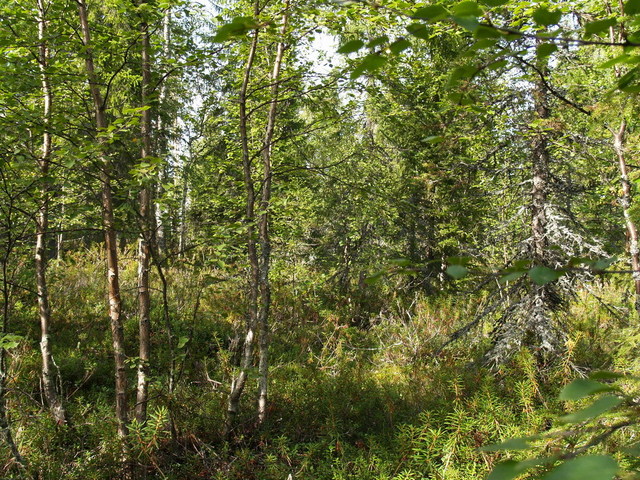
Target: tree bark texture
{"x":42,"y":224}
{"x":238,"y":383}
{"x":264,"y":226}
{"x":111,"y":245}
{"x":144,"y":299}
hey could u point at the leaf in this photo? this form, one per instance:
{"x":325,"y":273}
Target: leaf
{"x":351,"y":46}
{"x":238,"y":26}
{"x":545,"y":49}
{"x":632,"y":7}
{"x":615,"y":61}
{"x":401,"y":262}
{"x":432,"y":13}
{"x":456,"y":271}
{"x":606,"y":375}
{"x":598,"y":407}
{"x":434,"y":139}
{"x":370,"y":63}
{"x":511,"y":444}
{"x":591,"y":467}
{"x":468,"y":23}
{"x":543,"y":275}
{"x":604,"y":263}
{"x":372,"y":279}
{"x":399,"y":45}
{"x":510,"y":277}
{"x":419,"y":30}
{"x":378,"y":41}
{"x":495,"y":3}
{"x":467,"y":9}
{"x":543,"y":16}
{"x":484,"y":31}
{"x":599,"y":26}
{"x":581,"y":388}
{"x":510,"y":469}
{"x":10,"y":341}
{"x":182,"y":342}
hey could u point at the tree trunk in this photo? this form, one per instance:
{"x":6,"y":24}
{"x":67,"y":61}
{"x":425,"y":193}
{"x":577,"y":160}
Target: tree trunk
{"x":238,"y":383}
{"x":265,"y":242}
{"x":42,"y":222}
{"x":625,"y":202}
{"x":111,"y":245}
{"x":626,"y":198}
{"x":144,"y":300}
{"x":539,"y":322}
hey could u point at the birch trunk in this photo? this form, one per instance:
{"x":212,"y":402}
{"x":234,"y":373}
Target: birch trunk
{"x":144,"y":300}
{"x":264,"y":225}
{"x":111,"y":246}
{"x":42,"y":225}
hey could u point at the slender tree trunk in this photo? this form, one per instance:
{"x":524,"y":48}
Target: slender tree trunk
{"x":5,"y":426}
{"x":539,"y":323}
{"x":238,"y":383}
{"x":625,"y":202}
{"x":626,"y":198}
{"x":144,"y":300}
{"x":264,"y":225}
{"x":163,"y":141}
{"x":111,"y":246}
{"x":42,"y":222}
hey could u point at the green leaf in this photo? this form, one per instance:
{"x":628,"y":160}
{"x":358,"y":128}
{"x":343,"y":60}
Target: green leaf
{"x":599,"y":26}
{"x":606,"y":375}
{"x":401,"y":262}
{"x":467,"y":9}
{"x":182,"y":342}
{"x":604,"y":263}
{"x":419,"y":30}
{"x":495,"y":3}
{"x":432,"y":13}
{"x":468,"y":23}
{"x":510,"y":469}
{"x":434,"y":139}
{"x":543,"y":16}
{"x":632,"y":7}
{"x":351,"y":46}
{"x":372,"y":279}
{"x":10,"y":341}
{"x":456,"y":271}
{"x":510,"y":277}
{"x":399,"y":45}
{"x":378,"y":41}
{"x":581,"y":388}
{"x":598,"y":407}
{"x":545,"y":49}
{"x":543,"y":275}
{"x":511,"y":444}
{"x":238,"y":26}
{"x":484,"y":31}
{"x":615,"y":61}
{"x":591,"y":467}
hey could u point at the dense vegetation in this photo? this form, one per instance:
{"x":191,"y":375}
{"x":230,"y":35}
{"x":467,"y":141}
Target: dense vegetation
{"x":292,"y":239}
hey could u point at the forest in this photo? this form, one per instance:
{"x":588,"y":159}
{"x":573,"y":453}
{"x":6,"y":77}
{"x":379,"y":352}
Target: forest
{"x":319,"y":240}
